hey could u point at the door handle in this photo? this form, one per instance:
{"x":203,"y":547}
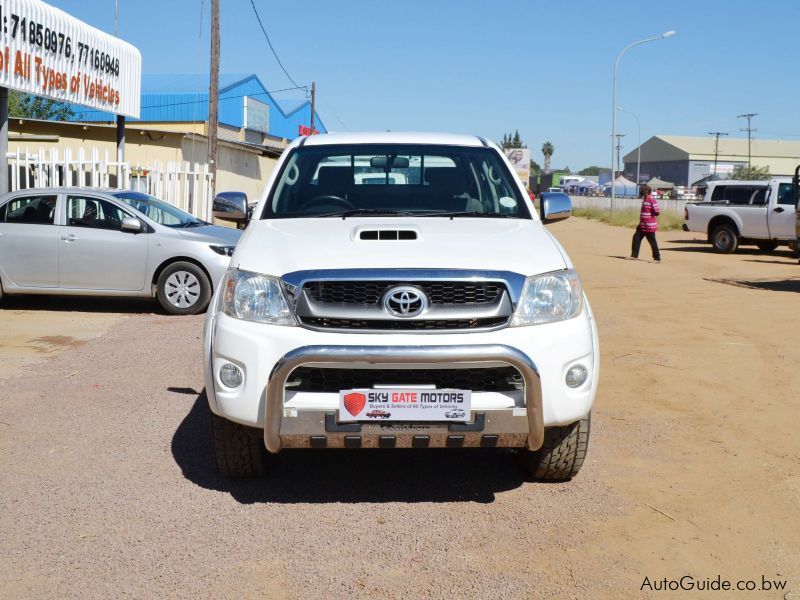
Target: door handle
{"x":779,"y":209}
{"x":69,"y":237}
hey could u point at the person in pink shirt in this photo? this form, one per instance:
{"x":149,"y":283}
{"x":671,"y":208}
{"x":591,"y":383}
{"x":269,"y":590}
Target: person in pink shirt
{"x":648,"y":225}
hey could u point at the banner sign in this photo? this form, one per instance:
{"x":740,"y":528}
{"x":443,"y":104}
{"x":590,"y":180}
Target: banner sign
{"x":256,"y":115}
{"x":306,"y":130}
{"x":46,"y":52}
{"x":520,"y":159}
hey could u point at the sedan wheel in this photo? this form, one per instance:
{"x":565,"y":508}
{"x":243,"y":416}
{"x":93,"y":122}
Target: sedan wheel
{"x":183,"y":289}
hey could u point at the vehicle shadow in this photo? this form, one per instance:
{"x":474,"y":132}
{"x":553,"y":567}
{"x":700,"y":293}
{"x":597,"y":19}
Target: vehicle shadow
{"x":708,"y":249}
{"x":695,"y":241}
{"x":349,"y":476}
{"x":80,"y":304}
{"x":772,"y":285}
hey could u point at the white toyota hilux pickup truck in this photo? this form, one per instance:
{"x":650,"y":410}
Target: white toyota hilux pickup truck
{"x":393,"y":290}
{"x":734,"y":213}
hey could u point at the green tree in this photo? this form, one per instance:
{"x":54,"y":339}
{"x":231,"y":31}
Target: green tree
{"x":547,"y":150}
{"x":512,"y":141}
{"x":28,"y":106}
{"x":751,"y":174}
{"x":593,"y":170}
{"x":536,"y":170}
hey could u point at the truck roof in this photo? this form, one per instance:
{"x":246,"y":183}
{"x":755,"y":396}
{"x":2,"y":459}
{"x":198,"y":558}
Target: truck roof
{"x":394,"y":137}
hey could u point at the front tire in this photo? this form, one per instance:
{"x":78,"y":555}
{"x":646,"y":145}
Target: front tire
{"x":562,"y":453}
{"x":238,"y":450}
{"x":725,"y":239}
{"x":183,"y":288}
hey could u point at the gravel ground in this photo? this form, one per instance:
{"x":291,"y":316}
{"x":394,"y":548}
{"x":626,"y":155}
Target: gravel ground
{"x":108,"y":490}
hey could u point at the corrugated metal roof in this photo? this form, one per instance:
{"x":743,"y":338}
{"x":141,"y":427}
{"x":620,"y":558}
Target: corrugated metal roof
{"x":701,"y":148}
{"x":184,"y":97}
{"x":186,"y":82}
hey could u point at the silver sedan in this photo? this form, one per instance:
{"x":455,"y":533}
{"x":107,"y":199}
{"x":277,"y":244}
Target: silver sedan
{"x":84,"y":241}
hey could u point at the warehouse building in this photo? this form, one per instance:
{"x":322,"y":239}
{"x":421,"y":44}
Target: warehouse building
{"x":685,"y":160}
{"x":248,"y":112}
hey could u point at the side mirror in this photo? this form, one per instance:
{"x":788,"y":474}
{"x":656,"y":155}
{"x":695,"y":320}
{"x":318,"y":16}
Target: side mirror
{"x":554,"y":206}
{"x":231,"y":206}
{"x":796,"y":187}
{"x":131,"y":225}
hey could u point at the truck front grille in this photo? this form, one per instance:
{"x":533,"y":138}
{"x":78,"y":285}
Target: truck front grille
{"x":371,"y":292}
{"x":493,"y":379}
{"x":358,"y":305}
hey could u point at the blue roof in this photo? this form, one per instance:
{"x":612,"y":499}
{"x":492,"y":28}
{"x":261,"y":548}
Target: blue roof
{"x":185,"y":98}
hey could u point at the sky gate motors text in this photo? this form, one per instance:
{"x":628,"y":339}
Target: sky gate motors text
{"x":432,"y":397}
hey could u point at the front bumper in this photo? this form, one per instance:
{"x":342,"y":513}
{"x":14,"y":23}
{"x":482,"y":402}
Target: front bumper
{"x":310,"y":428}
{"x":268,"y":353}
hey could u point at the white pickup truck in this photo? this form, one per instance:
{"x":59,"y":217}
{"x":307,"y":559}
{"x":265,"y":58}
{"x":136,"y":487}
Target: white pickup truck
{"x":394,"y":290}
{"x":745,"y":212}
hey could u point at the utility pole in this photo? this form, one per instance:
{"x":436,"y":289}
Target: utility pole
{"x":120,"y":118}
{"x":213,"y":97}
{"x":313,"y":103}
{"x":619,"y":137}
{"x":716,"y":135}
{"x":749,"y":130}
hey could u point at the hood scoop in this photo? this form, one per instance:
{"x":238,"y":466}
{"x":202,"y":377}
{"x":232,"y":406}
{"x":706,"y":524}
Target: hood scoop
{"x":388,"y":235}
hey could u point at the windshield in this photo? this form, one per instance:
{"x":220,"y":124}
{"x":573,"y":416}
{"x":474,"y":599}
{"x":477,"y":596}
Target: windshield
{"x":158,"y":210}
{"x":381,"y":180}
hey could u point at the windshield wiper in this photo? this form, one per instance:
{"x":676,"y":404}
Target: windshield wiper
{"x":469,"y":213}
{"x":356,"y":212}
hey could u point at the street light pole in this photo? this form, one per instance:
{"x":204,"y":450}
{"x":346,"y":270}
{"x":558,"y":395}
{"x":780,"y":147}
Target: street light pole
{"x":664,"y":35}
{"x":638,"y":142}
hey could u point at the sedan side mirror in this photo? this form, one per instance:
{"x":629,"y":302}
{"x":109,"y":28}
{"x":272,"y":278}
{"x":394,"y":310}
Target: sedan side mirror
{"x":555,"y":206}
{"x":131,"y":225}
{"x":231,"y":206}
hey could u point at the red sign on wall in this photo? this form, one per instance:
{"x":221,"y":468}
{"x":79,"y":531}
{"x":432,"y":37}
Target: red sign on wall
{"x":303,"y":130}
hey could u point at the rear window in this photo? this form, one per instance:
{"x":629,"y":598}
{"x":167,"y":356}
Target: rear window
{"x":32,"y":210}
{"x":739,"y":194}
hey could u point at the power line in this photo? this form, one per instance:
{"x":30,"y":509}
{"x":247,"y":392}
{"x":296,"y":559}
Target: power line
{"x":271,"y":47}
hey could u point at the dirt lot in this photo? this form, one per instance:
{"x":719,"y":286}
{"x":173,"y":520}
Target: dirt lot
{"x":107,"y":488}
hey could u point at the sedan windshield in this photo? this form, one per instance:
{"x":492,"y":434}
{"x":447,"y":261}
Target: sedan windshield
{"x":395,"y":180}
{"x":158,"y":210}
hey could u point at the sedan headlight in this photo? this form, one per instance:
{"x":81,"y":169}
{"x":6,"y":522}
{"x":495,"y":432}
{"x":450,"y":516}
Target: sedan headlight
{"x":549,"y":298}
{"x":223,"y":250}
{"x":254,"y":297}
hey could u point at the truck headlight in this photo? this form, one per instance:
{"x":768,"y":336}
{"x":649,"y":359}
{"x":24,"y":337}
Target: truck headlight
{"x":549,"y":298}
{"x":254,"y":297}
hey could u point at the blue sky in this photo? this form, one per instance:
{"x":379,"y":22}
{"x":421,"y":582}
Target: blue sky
{"x":484,"y":67}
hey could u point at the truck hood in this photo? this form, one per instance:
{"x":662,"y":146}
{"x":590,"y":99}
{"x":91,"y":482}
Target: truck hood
{"x":280,"y":246}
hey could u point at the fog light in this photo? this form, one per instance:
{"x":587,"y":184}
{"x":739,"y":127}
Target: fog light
{"x":576,"y":376}
{"x":230,"y":375}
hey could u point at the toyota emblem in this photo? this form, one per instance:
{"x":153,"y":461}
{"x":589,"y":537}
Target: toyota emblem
{"x":405,"y":302}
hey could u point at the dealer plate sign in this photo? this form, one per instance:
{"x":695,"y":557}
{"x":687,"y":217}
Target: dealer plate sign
{"x":404,"y":404}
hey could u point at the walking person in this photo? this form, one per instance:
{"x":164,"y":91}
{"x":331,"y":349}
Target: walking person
{"x":648,"y":225}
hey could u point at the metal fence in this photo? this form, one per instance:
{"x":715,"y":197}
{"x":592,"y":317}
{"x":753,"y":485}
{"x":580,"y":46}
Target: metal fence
{"x":181,"y":184}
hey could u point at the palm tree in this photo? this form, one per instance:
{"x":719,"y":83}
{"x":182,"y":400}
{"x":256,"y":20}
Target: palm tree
{"x":547,"y":150}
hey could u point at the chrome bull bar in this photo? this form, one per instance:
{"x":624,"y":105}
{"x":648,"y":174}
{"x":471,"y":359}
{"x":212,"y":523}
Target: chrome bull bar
{"x":360,"y":357}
